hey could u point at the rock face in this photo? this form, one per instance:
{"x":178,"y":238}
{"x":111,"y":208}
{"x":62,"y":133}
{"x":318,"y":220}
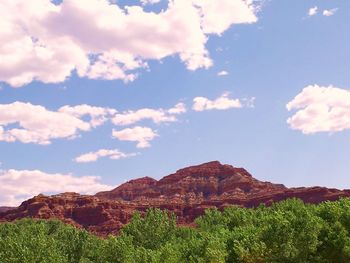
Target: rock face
{"x":187,"y":193}
{"x":5,"y":208}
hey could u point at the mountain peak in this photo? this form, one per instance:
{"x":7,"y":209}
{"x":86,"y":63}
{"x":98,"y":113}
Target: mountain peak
{"x":207,"y":180}
{"x":204,"y":166}
{"x":187,"y":193}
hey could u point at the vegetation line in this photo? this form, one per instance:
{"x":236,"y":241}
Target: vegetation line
{"x":287,"y":232}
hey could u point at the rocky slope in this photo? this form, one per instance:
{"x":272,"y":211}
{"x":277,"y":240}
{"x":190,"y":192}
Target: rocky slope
{"x":187,"y":193}
{"x":5,"y":208}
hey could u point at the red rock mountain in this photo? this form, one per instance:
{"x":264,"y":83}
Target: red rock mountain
{"x":187,"y":193}
{"x":5,"y":208}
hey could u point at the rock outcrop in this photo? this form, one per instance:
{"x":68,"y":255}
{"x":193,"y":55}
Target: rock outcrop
{"x":5,"y":208}
{"x":187,"y":193}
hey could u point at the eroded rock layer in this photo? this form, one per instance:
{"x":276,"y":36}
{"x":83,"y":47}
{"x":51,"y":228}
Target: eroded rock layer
{"x":187,"y":193}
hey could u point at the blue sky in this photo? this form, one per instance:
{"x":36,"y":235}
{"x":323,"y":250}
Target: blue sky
{"x":275,"y":53}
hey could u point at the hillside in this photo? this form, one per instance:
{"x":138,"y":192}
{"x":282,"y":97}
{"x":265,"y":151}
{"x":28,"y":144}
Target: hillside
{"x":187,"y":193}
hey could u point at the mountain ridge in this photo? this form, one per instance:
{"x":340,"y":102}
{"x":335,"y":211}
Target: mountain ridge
{"x":211,"y":179}
{"x":187,"y":193}
{"x":5,"y":208}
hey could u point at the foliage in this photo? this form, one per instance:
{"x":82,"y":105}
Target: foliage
{"x":288,"y":231}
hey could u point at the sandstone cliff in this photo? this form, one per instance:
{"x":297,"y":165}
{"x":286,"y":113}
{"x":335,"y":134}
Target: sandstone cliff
{"x":5,"y":208}
{"x":187,"y":193}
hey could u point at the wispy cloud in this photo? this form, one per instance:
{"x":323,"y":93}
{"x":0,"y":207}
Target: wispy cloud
{"x":222,"y":73}
{"x":329,"y":12}
{"x":149,"y":2}
{"x":94,"y":156}
{"x":326,"y":12}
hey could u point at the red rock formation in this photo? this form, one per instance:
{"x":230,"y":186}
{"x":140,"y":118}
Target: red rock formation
{"x":187,"y":193}
{"x":5,"y":208}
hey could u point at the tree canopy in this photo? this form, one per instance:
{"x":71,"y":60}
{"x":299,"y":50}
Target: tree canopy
{"x":286,"y":232}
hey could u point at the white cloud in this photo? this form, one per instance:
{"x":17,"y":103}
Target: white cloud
{"x":36,"y":124}
{"x":39,"y":125}
{"x":30,"y":123}
{"x":18,"y":185}
{"x":100,"y":40}
{"x":221,"y":103}
{"x":219,"y":15}
{"x":94,"y":156}
{"x":98,"y":115}
{"x":330,"y":12}
{"x":222,"y":73}
{"x":320,"y":109}
{"x":178,"y":109}
{"x":313,"y":11}
{"x":149,"y":2}
{"x":141,"y":135}
{"x":156,"y":115}
{"x":248,"y":102}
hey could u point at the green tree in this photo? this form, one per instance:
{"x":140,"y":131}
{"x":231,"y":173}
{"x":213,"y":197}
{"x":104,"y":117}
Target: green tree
{"x":151,"y":231}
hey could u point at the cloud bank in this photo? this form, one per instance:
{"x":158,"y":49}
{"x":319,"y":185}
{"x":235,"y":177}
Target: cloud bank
{"x":47,"y":42}
{"x":28,"y":123}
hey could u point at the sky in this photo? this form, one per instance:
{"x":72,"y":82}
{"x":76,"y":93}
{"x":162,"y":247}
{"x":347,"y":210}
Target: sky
{"x":95,"y":93}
